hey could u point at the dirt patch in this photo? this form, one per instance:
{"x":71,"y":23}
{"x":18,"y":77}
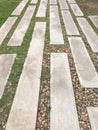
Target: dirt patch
{"x":93,"y":5}
{"x":88,"y":7}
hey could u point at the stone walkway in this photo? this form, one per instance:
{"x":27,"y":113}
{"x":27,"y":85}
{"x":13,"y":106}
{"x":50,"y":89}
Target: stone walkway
{"x":57,"y":70}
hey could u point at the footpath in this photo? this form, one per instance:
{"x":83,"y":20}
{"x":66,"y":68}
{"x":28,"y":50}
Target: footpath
{"x":58,"y":81}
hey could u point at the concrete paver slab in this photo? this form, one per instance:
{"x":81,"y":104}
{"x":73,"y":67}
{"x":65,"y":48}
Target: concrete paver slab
{"x":24,"y":109}
{"x":94,"y":20}
{"x":18,"y":35}
{"x":42,"y":8}
{"x":93,"y":116}
{"x":63,"y":4}
{"x":70,"y":26}
{"x":56,"y":36}
{"x":20,"y":7}
{"x":6,"y":27}
{"x":63,"y":108}
{"x":91,"y":36}
{"x":86,"y":71}
{"x":76,"y":9}
{"x":6,"y":62}
{"x":34,"y":1}
{"x":71,"y":1}
{"x":53,"y":2}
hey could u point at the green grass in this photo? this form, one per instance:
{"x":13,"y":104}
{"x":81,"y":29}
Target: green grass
{"x":6,"y":7}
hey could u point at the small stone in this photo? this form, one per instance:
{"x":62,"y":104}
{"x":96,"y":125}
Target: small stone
{"x":95,"y":90}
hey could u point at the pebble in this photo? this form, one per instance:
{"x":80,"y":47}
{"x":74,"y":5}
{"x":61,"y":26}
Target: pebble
{"x":95,"y":90}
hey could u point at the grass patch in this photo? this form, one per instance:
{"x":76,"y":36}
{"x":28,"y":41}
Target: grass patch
{"x":6,"y":8}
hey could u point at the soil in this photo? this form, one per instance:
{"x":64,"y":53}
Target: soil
{"x":93,"y":5}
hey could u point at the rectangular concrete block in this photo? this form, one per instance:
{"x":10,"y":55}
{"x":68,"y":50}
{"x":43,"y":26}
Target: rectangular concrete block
{"x":53,"y":2}
{"x":42,"y":8}
{"x":94,"y":20}
{"x":71,"y":1}
{"x":6,"y":27}
{"x":20,"y":7}
{"x":63,"y":4}
{"x":69,"y":23}
{"x":6,"y":62}
{"x":34,"y":1}
{"x":18,"y":35}
{"x":93,"y":116}
{"x":88,"y":31}
{"x":76,"y":9}
{"x":63,"y":114}
{"x":87,"y":74}
{"x":23,"y":113}
{"x":56,"y":36}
